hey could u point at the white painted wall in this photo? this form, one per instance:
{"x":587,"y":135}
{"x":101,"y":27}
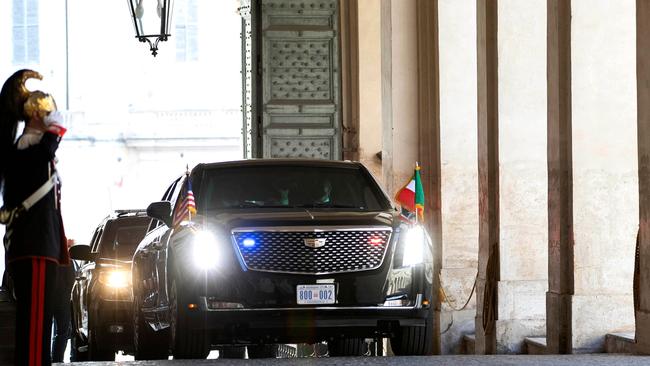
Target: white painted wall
{"x":605,"y":170}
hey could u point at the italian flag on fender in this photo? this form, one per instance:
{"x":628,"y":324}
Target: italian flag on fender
{"x":411,"y":198}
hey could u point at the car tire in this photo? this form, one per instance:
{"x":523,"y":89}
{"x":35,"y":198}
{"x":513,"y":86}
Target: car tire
{"x":263,"y":351}
{"x":96,"y":353}
{"x":186,"y":343}
{"x":147,"y":343}
{"x":75,"y":354}
{"x":233,"y":352}
{"x":346,"y":347}
{"x":414,"y":341}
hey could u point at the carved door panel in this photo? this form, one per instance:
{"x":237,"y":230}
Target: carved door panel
{"x":298,"y":86}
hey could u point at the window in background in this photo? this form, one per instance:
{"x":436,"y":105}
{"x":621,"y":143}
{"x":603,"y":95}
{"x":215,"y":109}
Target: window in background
{"x":25,"y":32}
{"x":187,"y":31}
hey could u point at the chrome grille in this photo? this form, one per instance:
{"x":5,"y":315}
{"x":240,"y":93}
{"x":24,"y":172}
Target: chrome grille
{"x":293,"y":250}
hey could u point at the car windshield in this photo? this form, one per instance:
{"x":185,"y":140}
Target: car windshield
{"x":290,"y":186}
{"x":122,"y":237}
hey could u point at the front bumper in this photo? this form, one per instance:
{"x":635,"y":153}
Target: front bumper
{"x":304,"y":324}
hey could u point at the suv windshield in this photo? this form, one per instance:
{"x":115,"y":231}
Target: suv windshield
{"x":122,"y":236}
{"x":290,"y":186}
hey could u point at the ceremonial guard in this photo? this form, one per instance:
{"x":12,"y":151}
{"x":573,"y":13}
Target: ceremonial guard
{"x":34,"y":241}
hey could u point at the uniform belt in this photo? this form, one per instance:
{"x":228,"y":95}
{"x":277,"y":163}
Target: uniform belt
{"x":8,"y":215}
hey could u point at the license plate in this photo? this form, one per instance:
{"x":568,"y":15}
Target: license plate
{"x":315,"y":294}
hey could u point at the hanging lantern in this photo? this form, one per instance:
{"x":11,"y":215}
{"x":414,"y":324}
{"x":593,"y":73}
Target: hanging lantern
{"x":151,"y":19}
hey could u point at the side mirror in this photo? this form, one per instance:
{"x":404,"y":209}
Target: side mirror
{"x":161,"y":211}
{"x":81,"y":252}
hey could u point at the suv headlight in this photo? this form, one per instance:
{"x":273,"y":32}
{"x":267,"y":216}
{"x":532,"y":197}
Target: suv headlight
{"x":205,"y":249}
{"x":416,"y":242}
{"x":116,"y":279}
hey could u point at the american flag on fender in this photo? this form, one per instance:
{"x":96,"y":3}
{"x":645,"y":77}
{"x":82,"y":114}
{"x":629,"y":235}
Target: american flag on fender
{"x":187,"y":208}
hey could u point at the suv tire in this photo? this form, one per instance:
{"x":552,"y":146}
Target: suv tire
{"x":233,"y":352}
{"x":95,"y":353}
{"x":414,"y":341}
{"x":186,"y":342}
{"x":263,"y":351}
{"x":346,"y":347}
{"x":147,"y":343}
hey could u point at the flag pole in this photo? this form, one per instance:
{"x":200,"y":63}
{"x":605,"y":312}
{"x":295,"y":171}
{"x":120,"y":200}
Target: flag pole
{"x":417,"y":219}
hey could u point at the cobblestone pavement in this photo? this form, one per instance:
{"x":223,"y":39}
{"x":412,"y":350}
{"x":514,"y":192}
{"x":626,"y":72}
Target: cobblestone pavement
{"x":555,"y":360}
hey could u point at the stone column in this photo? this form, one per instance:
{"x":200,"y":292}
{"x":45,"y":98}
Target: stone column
{"x":643,"y":121}
{"x":399,"y":73}
{"x":488,"y":172}
{"x":349,"y":38}
{"x":560,"y":179}
{"x":429,"y":139}
{"x":370,"y":102}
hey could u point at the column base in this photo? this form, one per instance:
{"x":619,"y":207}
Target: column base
{"x":642,"y":332}
{"x":558,"y":323}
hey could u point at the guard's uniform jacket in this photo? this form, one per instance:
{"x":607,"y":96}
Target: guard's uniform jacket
{"x":35,"y":243}
{"x":37,"y":232}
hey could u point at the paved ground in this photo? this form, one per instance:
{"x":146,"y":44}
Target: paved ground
{"x":587,"y":360}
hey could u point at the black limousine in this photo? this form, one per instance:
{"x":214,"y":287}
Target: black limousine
{"x":279,"y":251}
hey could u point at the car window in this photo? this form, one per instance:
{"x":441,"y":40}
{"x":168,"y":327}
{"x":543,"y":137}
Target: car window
{"x":122,"y":237}
{"x":96,"y":239}
{"x":291,"y":186}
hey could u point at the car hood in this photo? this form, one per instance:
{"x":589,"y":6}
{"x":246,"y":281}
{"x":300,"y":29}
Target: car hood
{"x":113,"y":263}
{"x":232,"y":220}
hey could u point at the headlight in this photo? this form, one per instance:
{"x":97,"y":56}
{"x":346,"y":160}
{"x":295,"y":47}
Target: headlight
{"x":205,"y":250}
{"x":115,"y":279}
{"x":415,"y":243}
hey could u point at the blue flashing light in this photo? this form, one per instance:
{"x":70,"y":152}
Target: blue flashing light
{"x":248,"y":242}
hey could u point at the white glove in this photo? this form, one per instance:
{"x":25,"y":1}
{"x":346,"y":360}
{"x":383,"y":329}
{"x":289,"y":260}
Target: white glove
{"x":54,"y":117}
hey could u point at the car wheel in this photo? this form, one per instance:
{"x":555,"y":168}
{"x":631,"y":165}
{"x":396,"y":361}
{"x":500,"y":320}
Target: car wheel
{"x":95,"y":351}
{"x":346,"y":347}
{"x":263,"y":351}
{"x":75,"y":354}
{"x":236,"y":352}
{"x":186,"y":342}
{"x":147,"y":343}
{"x":414,"y":341}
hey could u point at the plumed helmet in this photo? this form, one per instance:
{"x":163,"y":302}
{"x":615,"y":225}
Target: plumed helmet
{"x":13,"y":96}
{"x":40,"y":103}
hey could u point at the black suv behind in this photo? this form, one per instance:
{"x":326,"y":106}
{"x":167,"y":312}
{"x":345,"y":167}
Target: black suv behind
{"x":280,"y":251}
{"x":101,"y":296}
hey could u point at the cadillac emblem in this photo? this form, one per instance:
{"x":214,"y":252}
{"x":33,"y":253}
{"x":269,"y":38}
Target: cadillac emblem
{"x":315,"y":242}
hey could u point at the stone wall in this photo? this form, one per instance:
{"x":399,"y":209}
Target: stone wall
{"x":370,"y":80}
{"x":604,"y":157}
{"x":459,"y":185}
{"x":522,"y":173}
{"x":605,"y":169}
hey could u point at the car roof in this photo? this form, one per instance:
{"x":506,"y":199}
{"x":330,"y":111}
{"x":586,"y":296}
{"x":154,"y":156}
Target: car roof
{"x":132,"y":213}
{"x":278,"y":162}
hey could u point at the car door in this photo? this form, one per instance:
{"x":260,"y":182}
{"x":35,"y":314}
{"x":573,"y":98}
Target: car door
{"x":161,"y":246}
{"x":147,"y":259}
{"x":80,"y":292}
